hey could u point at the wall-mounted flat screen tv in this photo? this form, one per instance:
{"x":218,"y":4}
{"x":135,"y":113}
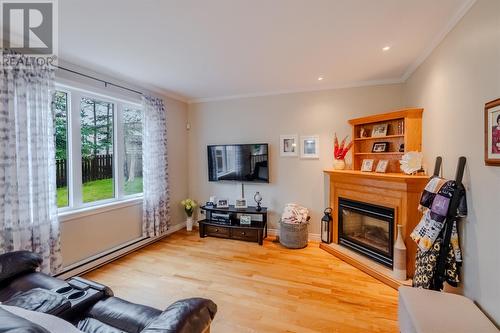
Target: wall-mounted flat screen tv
{"x":242,"y":163}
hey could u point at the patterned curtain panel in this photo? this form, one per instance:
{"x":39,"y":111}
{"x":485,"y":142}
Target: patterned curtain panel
{"x":156,"y":205}
{"x":28,"y":211}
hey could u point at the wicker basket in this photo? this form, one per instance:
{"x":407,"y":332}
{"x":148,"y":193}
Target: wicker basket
{"x":293,"y":236}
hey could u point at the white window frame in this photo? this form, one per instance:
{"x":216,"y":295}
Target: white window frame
{"x":74,"y":155}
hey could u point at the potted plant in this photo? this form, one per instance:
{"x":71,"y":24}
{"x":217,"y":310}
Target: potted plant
{"x":339,"y":152}
{"x":189,"y":206}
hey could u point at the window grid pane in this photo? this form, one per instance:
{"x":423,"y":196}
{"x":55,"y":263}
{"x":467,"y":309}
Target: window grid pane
{"x":96,"y":127}
{"x":132,"y":148}
{"x":60,"y":108}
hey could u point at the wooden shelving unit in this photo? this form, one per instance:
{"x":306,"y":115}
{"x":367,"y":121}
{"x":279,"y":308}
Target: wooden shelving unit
{"x":381,"y":137}
{"x":385,"y":153}
{"x":404,"y":127}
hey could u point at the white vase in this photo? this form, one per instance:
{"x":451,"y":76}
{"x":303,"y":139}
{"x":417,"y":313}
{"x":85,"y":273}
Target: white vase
{"x":338,"y":164}
{"x":399,"y":268}
{"x":189,"y":223}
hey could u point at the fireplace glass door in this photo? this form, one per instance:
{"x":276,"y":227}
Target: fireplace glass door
{"x":367,"y":229}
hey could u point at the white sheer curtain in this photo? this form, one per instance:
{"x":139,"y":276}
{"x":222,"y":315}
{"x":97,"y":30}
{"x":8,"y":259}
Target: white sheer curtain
{"x":156,"y":205}
{"x":28,"y":211}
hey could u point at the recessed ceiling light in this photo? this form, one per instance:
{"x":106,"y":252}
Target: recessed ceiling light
{"x":320,"y":78}
{"x":386,"y":48}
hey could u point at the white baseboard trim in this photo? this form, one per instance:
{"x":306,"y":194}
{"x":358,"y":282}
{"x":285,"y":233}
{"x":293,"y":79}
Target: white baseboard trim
{"x":112,"y":254}
{"x":311,"y":237}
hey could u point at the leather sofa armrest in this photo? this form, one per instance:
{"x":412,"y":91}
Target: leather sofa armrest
{"x":192,"y":315}
{"x":18,"y":262}
{"x":11,"y":323}
{"x":95,"y":285}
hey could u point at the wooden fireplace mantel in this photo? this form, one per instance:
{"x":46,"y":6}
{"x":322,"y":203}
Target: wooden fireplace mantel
{"x":394,"y":190}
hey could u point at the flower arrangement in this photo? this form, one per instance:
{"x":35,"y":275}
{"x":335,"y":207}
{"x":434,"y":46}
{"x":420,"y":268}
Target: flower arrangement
{"x":189,"y":206}
{"x":339,"y":151}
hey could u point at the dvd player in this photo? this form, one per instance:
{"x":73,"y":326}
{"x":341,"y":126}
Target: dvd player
{"x":221,"y":217}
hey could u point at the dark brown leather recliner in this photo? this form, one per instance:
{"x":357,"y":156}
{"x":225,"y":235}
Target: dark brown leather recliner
{"x":89,"y":306}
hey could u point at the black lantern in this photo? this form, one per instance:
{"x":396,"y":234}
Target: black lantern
{"x":326,"y":226}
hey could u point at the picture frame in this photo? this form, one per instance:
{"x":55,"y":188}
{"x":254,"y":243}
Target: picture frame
{"x":380,"y":147}
{"x":222,"y":203}
{"x":363,"y":133}
{"x":492,"y":133}
{"x":309,"y":146}
{"x":240,"y":203}
{"x":382,"y":166}
{"x":367,"y":165}
{"x":245,"y":219}
{"x":289,"y":145}
{"x":379,"y":130}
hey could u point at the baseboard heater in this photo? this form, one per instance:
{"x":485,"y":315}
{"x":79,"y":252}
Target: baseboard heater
{"x":113,"y":254}
{"x":104,"y":258}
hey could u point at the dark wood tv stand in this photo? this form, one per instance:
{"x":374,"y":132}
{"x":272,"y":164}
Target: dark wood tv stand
{"x":233,"y":229}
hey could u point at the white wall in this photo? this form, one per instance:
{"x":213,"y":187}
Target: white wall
{"x":453,"y":85}
{"x":85,"y":236}
{"x":263,"y":119}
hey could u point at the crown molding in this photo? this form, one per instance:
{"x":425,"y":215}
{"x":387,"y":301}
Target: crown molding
{"x":438,"y":39}
{"x":357,"y":84}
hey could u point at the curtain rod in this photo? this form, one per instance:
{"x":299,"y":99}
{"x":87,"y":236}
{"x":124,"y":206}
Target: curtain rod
{"x":106,"y":83}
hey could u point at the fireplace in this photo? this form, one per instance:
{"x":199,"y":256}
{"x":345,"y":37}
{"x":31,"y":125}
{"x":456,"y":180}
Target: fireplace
{"x":367,"y":229}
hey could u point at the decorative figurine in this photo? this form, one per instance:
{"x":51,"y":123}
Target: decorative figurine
{"x":258,"y":198}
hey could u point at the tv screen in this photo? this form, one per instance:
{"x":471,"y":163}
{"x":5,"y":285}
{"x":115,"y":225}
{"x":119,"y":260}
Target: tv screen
{"x":243,"y":163}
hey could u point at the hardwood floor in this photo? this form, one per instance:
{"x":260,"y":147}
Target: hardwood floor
{"x":256,"y":288}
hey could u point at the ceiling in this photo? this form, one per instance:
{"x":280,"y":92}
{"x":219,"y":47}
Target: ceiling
{"x":212,"y":49}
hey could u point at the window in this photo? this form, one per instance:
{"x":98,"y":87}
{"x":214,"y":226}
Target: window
{"x":98,"y":148}
{"x":132,"y":145}
{"x":96,"y":128}
{"x":60,"y":107}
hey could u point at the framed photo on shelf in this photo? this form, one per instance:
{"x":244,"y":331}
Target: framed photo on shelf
{"x":309,"y":146}
{"x":289,"y":145}
{"x":380,"y":147}
{"x":222,"y":203}
{"x":364,"y":133}
{"x":492,"y":133}
{"x":240,"y":203}
{"x":382,"y":166}
{"x":367,"y":165}
{"x":245,"y":219}
{"x":379,"y":130}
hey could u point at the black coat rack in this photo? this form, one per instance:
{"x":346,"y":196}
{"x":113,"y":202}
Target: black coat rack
{"x":451,"y":218}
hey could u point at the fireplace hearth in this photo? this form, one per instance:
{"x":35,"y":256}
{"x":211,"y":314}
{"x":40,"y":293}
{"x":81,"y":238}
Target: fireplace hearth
{"x":367,"y":229}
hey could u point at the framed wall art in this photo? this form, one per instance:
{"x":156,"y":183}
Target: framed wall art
{"x":309,"y":146}
{"x":492,"y":133}
{"x":289,"y":145}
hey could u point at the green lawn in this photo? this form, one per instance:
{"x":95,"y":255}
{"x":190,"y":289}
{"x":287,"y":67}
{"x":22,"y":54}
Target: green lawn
{"x":62,"y":196}
{"x":98,"y":190}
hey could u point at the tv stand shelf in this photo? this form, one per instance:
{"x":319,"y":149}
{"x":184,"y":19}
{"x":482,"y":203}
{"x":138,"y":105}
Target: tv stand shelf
{"x":233,"y":229}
